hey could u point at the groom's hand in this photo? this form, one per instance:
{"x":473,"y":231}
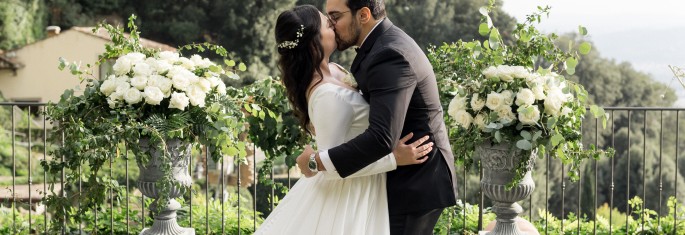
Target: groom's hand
{"x":414,"y":153}
{"x":303,"y":161}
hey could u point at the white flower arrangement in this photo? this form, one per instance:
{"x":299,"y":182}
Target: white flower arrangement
{"x":513,"y":104}
{"x":166,"y":76}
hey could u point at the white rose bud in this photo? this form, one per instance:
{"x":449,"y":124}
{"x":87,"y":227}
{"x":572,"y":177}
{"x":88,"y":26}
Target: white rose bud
{"x":525,"y":97}
{"x":479,"y":121}
{"x":529,"y":114}
{"x":565,"y":111}
{"x":153,"y":95}
{"x":133,"y":96}
{"x":214,"y":81}
{"x":112,"y":103}
{"x":494,"y":101}
{"x":490,"y":72}
{"x":179,"y":101}
{"x":477,"y":103}
{"x":539,"y":92}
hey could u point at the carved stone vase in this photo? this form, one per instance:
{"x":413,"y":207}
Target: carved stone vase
{"x":499,"y":163}
{"x":151,"y":172}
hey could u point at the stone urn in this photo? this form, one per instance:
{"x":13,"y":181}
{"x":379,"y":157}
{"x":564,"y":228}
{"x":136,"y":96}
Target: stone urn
{"x":151,"y":172}
{"x":499,"y":163}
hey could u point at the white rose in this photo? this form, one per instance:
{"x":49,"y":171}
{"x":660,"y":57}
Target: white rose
{"x":122,"y":87}
{"x":477,"y":103}
{"x":205,"y":85}
{"x":565,"y":111}
{"x":122,"y":66}
{"x":153,"y":95}
{"x":159,"y":66}
{"x":520,"y":72}
{"x":186,"y":63}
{"x":529,"y":114}
{"x":135,"y":57}
{"x":221,"y":88}
{"x":214,"y":81}
{"x":539,"y":92}
{"x":108,"y":86}
{"x":505,"y":73}
{"x":200,"y":62}
{"x":168,"y":56}
{"x":139,"y":82}
{"x":490,"y":72}
{"x":181,"y":81}
{"x":196,"y":95}
{"x":163,"y":83}
{"x":133,"y":96}
{"x":463,"y":118}
{"x":178,"y":101}
{"x":457,"y":103}
{"x":479,"y":121}
{"x":142,"y":69}
{"x":508,"y":96}
{"x":112,"y":103}
{"x":553,"y":103}
{"x":525,"y":97}
{"x":505,"y":114}
{"x":494,"y":101}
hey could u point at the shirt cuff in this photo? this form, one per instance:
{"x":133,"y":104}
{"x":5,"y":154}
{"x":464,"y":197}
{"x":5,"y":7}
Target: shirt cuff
{"x":326,"y":160}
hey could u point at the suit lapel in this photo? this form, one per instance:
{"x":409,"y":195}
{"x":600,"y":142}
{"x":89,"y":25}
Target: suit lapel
{"x":368,"y":43}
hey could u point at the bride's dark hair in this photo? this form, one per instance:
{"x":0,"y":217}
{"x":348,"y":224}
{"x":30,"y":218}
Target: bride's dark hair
{"x":299,"y":62}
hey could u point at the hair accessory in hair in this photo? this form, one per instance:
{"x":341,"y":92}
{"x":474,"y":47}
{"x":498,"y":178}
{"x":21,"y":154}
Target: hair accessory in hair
{"x":293,"y":44}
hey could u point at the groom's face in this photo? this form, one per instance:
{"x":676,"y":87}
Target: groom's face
{"x":347,"y":27}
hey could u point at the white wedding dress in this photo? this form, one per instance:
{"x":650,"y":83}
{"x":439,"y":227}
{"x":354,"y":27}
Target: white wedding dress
{"x":327,"y":204}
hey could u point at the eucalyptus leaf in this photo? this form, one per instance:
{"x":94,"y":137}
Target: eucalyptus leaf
{"x":524,"y":144}
{"x":483,"y":29}
{"x":585,"y":48}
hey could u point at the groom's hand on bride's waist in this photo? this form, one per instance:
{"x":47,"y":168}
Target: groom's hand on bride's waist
{"x":414,"y":153}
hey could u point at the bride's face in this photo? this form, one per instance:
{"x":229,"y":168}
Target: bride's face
{"x":327,"y":34}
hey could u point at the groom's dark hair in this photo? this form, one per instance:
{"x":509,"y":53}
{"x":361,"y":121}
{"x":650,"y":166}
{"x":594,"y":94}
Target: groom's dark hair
{"x":377,"y":7}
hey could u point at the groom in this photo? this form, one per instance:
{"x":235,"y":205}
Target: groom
{"x":397,"y":80}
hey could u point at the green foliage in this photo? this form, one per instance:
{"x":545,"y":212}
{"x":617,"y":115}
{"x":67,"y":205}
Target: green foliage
{"x":21,"y":22}
{"x":452,"y":221}
{"x":15,"y":221}
{"x":467,"y":68}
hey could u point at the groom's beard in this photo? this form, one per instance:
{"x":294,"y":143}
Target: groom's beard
{"x":354,"y":33}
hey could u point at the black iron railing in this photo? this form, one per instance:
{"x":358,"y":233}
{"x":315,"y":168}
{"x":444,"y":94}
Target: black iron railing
{"x":28,"y":132}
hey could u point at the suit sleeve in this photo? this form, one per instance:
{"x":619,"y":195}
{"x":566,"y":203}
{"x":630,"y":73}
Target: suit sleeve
{"x":391,"y":83}
{"x":332,"y":117}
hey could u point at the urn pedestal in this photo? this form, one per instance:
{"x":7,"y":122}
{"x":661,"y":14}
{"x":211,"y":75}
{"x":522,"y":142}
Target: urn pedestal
{"x":499,"y":163}
{"x":151,"y":172}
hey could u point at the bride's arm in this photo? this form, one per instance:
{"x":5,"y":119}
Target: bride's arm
{"x":332,"y":117}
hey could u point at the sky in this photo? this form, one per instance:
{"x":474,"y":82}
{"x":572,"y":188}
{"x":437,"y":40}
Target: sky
{"x":650,"y":35}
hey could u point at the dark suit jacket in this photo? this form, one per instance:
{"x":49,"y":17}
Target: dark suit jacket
{"x":397,"y":80}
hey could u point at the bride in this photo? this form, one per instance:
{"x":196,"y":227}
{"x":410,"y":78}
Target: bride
{"x":325,"y":99}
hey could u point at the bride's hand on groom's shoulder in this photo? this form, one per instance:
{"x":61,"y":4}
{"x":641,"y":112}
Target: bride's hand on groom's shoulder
{"x":414,"y":153}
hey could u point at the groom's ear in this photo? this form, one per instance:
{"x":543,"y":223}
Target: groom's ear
{"x":365,"y":15}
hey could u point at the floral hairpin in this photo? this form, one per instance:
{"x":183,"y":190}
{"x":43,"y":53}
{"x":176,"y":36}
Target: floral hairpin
{"x":293,"y":44}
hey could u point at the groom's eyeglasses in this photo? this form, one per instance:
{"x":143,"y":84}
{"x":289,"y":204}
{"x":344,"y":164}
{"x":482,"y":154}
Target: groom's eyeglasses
{"x":335,"y":16}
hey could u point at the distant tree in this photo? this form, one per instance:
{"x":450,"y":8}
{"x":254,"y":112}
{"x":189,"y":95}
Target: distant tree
{"x":21,"y":22}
